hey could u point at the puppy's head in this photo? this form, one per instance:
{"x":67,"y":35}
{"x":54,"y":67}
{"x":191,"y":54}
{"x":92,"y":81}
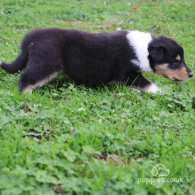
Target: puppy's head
{"x":167,"y":59}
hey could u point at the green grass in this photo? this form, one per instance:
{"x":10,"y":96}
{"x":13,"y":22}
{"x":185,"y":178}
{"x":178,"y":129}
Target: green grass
{"x":68,"y":139}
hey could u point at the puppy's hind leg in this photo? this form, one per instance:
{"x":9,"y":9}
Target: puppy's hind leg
{"x":44,"y":64}
{"x":34,"y":77}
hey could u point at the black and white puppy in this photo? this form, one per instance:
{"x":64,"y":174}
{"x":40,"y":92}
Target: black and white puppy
{"x":97,"y":59}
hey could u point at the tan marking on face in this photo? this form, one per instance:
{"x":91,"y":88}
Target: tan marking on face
{"x":161,"y":68}
{"x":178,"y":57}
{"x":165,"y":71}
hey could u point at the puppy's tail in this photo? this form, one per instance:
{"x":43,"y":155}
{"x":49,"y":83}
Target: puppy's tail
{"x":17,"y":65}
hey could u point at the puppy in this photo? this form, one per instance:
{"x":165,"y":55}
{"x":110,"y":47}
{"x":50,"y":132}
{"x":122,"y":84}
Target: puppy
{"x":97,"y":59}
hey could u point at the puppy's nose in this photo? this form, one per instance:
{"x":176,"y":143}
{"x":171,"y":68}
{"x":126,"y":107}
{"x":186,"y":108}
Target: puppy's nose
{"x":190,"y":74}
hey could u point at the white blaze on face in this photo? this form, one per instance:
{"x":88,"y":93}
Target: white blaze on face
{"x":139,"y":41}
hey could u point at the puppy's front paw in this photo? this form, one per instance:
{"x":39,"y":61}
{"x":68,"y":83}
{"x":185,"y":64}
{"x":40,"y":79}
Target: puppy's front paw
{"x":152,"y":88}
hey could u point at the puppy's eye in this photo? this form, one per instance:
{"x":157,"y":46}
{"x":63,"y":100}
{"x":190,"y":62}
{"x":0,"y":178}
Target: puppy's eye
{"x":174,"y":65}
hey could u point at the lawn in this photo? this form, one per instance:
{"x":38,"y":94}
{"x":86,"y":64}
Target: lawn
{"x":69,"y":139}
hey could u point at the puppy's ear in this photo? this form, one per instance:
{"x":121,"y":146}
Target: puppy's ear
{"x":156,"y":53}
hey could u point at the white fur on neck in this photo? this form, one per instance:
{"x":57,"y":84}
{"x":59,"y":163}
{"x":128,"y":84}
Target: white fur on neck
{"x":139,"y":41}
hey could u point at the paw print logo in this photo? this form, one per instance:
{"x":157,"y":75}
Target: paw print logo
{"x":160,"y":170}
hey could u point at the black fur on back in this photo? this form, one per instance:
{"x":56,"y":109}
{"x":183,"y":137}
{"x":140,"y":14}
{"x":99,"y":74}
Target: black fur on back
{"x":87,"y":58}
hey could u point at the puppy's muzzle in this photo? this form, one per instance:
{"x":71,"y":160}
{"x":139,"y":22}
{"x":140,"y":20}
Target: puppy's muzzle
{"x":190,"y":74}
